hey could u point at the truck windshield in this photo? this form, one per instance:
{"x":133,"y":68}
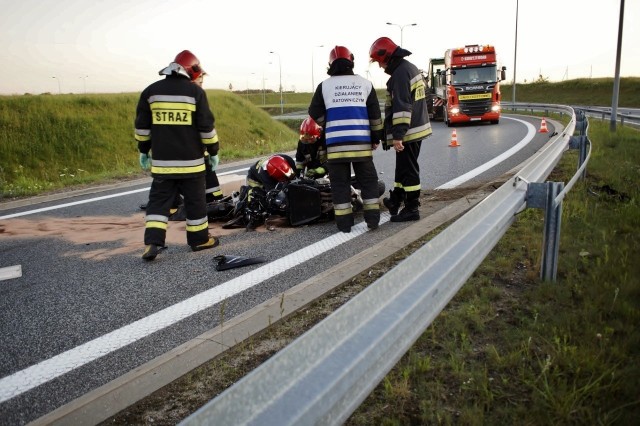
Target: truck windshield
{"x":475,"y":75}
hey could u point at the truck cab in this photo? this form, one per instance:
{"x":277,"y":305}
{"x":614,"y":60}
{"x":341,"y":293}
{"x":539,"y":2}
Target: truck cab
{"x":467,"y":88}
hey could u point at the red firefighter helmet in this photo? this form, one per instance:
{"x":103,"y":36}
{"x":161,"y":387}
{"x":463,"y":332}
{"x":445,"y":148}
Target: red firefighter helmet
{"x":381,"y":50}
{"x":340,"y":52}
{"x":309,"y":130}
{"x":278,"y":168}
{"x":190,"y":63}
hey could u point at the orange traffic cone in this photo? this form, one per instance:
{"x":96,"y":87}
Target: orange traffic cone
{"x":543,"y":126}
{"x":454,"y":139}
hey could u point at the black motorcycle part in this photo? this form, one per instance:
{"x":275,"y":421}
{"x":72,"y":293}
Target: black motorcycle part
{"x":305,"y":204}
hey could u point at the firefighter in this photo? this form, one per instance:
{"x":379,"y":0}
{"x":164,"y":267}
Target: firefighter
{"x":311,"y":154}
{"x":175,"y":124}
{"x":406,"y":125}
{"x":213,"y":190}
{"x":263,"y":176}
{"x":267,"y":172}
{"x":346,"y":106}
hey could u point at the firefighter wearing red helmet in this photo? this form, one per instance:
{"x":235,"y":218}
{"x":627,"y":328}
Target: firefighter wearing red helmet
{"x":175,"y":124}
{"x":263,"y":176}
{"x":406,"y":125}
{"x":309,"y":130}
{"x":346,"y":106}
{"x":267,"y":172}
{"x":311,"y":154}
{"x":190,"y":63}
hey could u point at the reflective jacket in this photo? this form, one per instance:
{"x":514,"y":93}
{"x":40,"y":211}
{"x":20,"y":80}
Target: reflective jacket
{"x":347,"y":107}
{"x":405,"y":108}
{"x":174,"y":122}
{"x":311,"y":155}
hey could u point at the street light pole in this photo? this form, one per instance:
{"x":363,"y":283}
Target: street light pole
{"x":59,"y":89}
{"x":515,"y":56}
{"x":616,"y":80}
{"x":313,"y":85}
{"x":84,"y":81}
{"x":280,"y":66}
{"x":247,"y":92}
{"x":401,"y":29}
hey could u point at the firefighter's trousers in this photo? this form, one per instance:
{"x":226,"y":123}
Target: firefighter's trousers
{"x":407,"y":172}
{"x":367,"y":178}
{"x":161,"y":198}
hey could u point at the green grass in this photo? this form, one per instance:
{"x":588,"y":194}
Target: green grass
{"x":582,"y":91}
{"x":512,"y":349}
{"x":53,"y":142}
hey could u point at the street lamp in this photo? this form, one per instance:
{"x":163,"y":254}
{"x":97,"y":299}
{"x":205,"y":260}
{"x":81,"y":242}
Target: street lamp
{"x":59,"y":89}
{"x":264,"y":101}
{"x":401,"y":28}
{"x":280,"y":66}
{"x":313,"y":85}
{"x":515,"y":55}
{"x":247,"y":93}
{"x":84,"y":81}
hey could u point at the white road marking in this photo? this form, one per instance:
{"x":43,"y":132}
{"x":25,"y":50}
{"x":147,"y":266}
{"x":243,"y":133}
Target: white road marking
{"x":10,"y":272}
{"x":38,"y":374}
{"x":91,"y":200}
{"x":531,"y":132}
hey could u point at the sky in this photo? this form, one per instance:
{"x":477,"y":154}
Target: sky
{"x":115,"y":46}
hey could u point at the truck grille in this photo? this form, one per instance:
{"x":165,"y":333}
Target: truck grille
{"x":475,"y":107}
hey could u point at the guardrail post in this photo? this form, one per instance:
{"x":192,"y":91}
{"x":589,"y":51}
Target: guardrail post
{"x":580,"y":143}
{"x":543,"y":195}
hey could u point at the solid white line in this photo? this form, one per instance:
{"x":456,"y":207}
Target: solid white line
{"x":90,"y":200}
{"x":31,"y":377}
{"x":531,"y":132}
{"x":10,"y":272}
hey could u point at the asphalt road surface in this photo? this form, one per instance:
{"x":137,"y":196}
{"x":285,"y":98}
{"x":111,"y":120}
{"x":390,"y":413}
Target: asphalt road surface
{"x":79,"y":308}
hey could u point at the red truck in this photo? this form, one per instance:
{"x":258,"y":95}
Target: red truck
{"x":468,"y":88}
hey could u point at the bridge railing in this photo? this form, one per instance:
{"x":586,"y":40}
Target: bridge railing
{"x":324,"y":375}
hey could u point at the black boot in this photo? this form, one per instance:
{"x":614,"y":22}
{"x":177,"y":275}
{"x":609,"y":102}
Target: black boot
{"x":394,"y":201}
{"x":409,"y":212}
{"x":345,"y":222}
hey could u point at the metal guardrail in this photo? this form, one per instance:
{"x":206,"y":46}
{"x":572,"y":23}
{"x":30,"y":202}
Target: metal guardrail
{"x":604,"y":113}
{"x":325,"y":374}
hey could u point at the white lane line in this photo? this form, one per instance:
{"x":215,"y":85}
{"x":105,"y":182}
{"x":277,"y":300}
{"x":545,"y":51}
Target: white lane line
{"x":10,"y":272}
{"x":90,"y":200}
{"x":531,"y":132}
{"x":38,"y":374}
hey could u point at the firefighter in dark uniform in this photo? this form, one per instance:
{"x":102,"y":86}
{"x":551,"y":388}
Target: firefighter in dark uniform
{"x":406,"y":124}
{"x":346,"y":106}
{"x":263,"y":176}
{"x":174,"y":123}
{"x":269,"y":171}
{"x":213,"y":190}
{"x":311,"y":154}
